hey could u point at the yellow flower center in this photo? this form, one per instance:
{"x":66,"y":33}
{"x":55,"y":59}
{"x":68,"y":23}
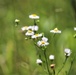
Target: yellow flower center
{"x":36,"y":34}
{"x":42,"y":42}
{"x":34,"y":15}
{"x":29,"y":31}
{"x":56,"y":29}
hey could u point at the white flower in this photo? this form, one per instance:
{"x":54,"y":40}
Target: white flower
{"x":33,"y":16}
{"x":29,"y":33}
{"x":75,"y":28}
{"x":51,"y":57}
{"x":44,"y":39}
{"x":39,"y":61}
{"x":28,"y":27}
{"x":16,"y":20}
{"x":67,"y":52}
{"x":55,"y":31}
{"x":24,"y":28}
{"x":42,"y":43}
{"x":35,"y":28}
{"x":36,"y":36}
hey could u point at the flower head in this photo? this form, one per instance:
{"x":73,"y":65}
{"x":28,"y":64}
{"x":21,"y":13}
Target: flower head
{"x":35,"y":28}
{"x":67,"y":52}
{"x":55,"y":31}
{"x":39,"y":61}
{"x":16,"y":20}
{"x":29,"y":33}
{"x":51,"y":57}
{"x":24,"y":28}
{"x":36,"y":36}
{"x":33,"y":16}
{"x":42,"y":43}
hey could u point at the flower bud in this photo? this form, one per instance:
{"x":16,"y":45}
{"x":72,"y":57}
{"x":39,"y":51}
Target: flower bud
{"x":51,"y":57}
{"x":17,"y":21}
{"x":39,"y":61}
{"x":52,"y":66}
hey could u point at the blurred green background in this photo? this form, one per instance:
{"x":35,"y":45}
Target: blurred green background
{"x":17,"y":55}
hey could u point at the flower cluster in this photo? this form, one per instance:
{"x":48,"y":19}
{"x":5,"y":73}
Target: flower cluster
{"x":31,"y":31}
{"x":42,"y":42}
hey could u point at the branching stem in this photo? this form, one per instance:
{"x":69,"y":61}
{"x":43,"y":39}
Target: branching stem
{"x":46,"y":62}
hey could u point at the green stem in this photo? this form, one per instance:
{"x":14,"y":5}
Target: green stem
{"x":54,"y":71}
{"x":71,"y":65}
{"x":70,"y":68}
{"x":34,"y":22}
{"x":38,"y":53}
{"x":62,"y":66}
{"x":46,"y":62}
{"x":52,"y":37}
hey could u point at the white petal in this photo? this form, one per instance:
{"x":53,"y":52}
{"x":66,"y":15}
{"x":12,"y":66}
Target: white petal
{"x":39,"y":43}
{"x":44,"y":39}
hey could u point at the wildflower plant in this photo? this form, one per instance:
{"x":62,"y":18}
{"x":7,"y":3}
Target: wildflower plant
{"x":42,"y":42}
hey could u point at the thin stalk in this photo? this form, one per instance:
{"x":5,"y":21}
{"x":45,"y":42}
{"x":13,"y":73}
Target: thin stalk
{"x":62,"y":66}
{"x":54,"y":71}
{"x":34,"y":22}
{"x":71,"y":65}
{"x":70,"y":68}
{"x":46,"y":62}
{"x":52,"y":37}
{"x":38,"y":52}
